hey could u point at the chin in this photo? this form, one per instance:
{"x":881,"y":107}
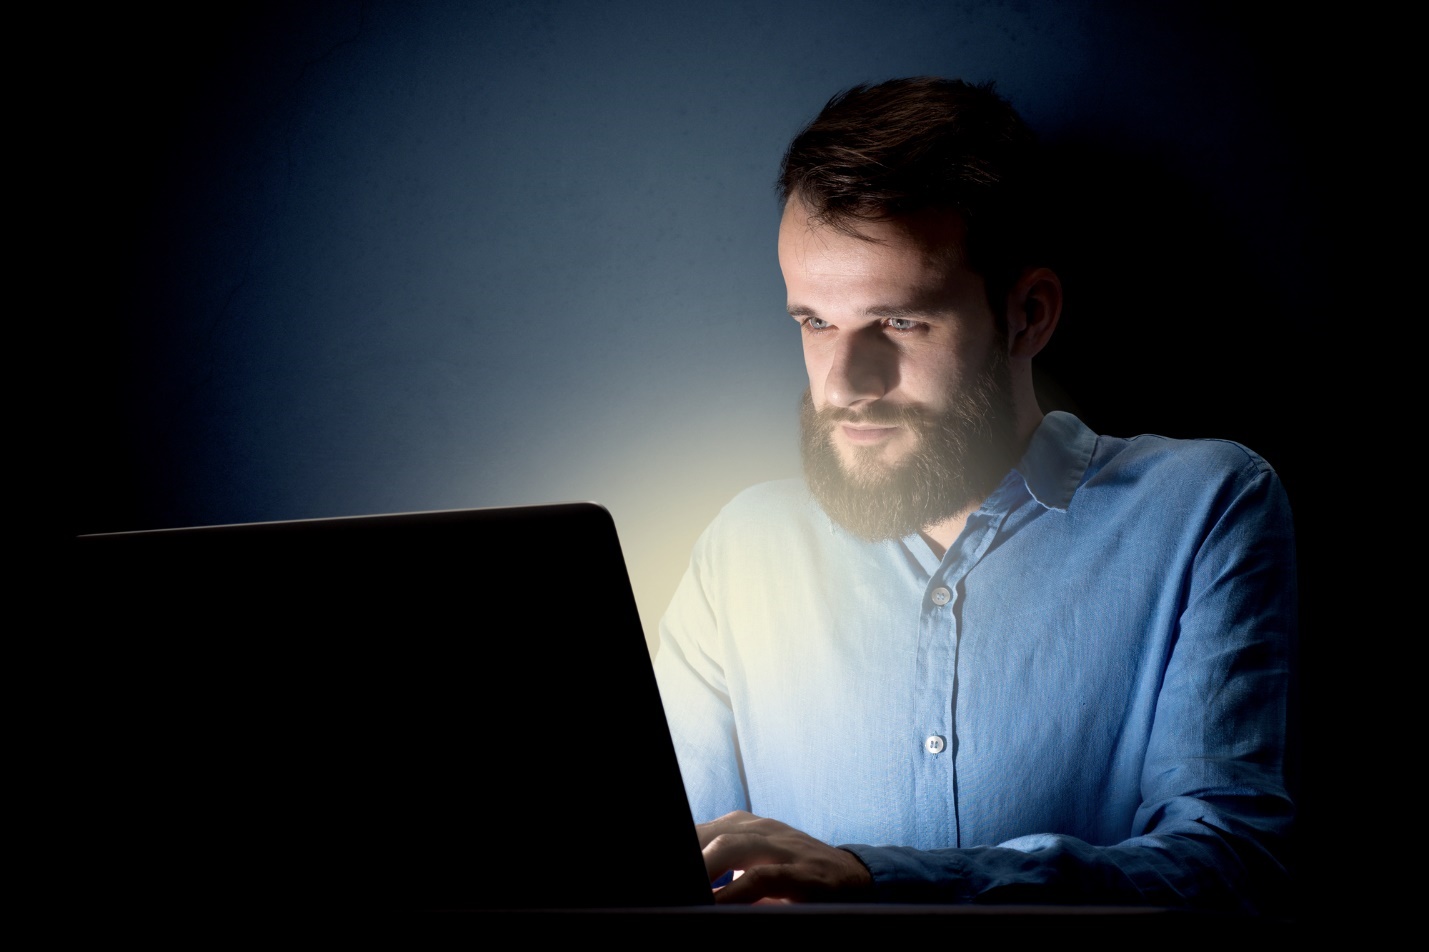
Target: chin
{"x":872,"y":463}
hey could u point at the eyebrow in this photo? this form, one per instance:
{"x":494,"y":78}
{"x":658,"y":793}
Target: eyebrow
{"x":879,"y":310}
{"x":904,"y":310}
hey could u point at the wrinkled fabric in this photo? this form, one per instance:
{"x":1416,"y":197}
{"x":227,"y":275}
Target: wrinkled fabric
{"x":1083,"y":700}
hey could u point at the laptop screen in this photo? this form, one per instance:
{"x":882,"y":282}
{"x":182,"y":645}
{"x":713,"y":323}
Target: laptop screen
{"x":418,"y":710}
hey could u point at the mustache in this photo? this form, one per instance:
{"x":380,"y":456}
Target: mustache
{"x":874,"y":414}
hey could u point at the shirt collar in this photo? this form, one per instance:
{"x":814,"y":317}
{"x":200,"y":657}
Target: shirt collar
{"x":1056,"y":459}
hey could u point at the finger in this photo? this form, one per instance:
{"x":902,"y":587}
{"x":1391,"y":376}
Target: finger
{"x":763,"y":884}
{"x":729,"y":851}
{"x":729,"y":823}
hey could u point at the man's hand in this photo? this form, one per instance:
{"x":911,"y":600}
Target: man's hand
{"x":775,"y":862}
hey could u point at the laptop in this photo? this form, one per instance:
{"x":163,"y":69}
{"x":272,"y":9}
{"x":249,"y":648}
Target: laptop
{"x":432,"y":710}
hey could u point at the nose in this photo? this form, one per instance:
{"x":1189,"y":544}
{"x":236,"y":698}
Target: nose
{"x":861,"y":371}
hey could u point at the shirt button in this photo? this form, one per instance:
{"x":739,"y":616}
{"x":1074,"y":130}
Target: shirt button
{"x":941,"y":596}
{"x":934,"y":744}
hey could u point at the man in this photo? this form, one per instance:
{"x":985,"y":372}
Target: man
{"x":980,"y":653}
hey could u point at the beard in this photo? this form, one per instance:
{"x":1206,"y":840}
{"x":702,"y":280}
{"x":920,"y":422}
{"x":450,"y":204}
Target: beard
{"x":959,"y":457}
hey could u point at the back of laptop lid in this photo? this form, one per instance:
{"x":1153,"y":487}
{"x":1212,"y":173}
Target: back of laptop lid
{"x":423,"y":710}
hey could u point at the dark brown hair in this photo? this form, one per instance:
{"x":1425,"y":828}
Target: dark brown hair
{"x":904,"y":146}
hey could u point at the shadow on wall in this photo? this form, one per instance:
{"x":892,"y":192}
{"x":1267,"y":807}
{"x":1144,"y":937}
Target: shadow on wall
{"x":1167,"y":327}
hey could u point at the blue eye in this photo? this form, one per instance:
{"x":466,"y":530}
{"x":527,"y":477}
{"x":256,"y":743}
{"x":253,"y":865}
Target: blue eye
{"x":900,"y":324}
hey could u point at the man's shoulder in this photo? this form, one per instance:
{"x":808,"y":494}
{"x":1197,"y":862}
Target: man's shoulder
{"x":1177,"y":477}
{"x":1068,"y":460}
{"x":1152,"y":455}
{"x":777,"y":496}
{"x":763,"y":527}
{"x":780,"y":505}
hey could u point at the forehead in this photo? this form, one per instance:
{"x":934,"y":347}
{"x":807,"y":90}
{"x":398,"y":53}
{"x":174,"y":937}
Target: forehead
{"x":910,"y":252}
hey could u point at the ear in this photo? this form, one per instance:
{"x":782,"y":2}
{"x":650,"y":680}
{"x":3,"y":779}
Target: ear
{"x":1033,"y":308}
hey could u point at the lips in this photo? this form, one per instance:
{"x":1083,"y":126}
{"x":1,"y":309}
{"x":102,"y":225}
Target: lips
{"x":867,"y":435}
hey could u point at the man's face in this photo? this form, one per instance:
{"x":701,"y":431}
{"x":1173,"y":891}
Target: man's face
{"x":909,"y":418}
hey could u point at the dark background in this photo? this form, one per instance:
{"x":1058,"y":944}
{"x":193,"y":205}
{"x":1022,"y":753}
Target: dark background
{"x":344,"y":258}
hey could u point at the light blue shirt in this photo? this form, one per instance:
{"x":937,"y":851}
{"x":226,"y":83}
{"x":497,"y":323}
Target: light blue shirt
{"x":1083,"y":700}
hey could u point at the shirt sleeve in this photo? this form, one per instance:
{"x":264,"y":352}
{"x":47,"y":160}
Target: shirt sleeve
{"x":1213,"y":824}
{"x":696,"y":699}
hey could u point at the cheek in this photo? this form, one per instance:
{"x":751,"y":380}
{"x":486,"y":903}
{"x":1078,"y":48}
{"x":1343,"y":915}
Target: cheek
{"x":817,"y":370}
{"x":931,"y":382}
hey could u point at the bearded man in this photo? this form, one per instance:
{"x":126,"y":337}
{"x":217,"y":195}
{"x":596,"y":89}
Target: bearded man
{"x":980,"y":653}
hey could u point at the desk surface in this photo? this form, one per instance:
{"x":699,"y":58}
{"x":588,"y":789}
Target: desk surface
{"x":846,"y":922}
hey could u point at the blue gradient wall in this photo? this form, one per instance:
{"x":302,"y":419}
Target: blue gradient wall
{"x":376,"y":257}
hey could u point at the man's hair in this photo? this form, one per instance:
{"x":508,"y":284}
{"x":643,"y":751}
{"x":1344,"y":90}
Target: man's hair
{"x":876,"y":153}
